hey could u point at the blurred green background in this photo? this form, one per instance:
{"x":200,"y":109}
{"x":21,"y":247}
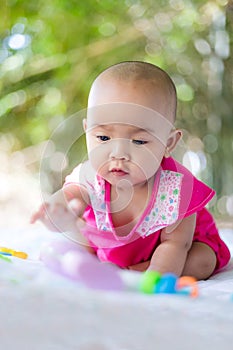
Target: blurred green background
{"x":50,"y":52}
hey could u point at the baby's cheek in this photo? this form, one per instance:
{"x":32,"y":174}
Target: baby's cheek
{"x":149,"y":161}
{"x":97,"y":157}
{"x":100,"y":167}
{"x":151,"y":169}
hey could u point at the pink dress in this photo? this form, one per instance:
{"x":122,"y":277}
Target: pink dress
{"x":176,"y":194}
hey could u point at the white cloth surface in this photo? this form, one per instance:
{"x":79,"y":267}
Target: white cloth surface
{"x":43,"y":310}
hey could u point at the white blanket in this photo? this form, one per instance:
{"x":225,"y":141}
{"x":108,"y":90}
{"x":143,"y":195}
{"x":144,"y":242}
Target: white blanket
{"x":43,"y":310}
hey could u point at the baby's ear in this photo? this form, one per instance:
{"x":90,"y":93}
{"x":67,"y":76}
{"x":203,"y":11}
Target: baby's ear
{"x":173,"y":138}
{"x":85,"y":124}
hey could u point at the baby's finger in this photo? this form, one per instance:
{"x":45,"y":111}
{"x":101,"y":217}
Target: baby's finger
{"x":39,"y":214}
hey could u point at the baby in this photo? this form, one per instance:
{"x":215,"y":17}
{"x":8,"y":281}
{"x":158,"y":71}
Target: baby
{"x":142,"y":209}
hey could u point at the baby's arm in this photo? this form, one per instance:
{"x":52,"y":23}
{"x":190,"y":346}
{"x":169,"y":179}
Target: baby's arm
{"x":171,"y":254}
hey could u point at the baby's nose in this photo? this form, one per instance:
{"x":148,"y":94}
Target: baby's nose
{"x":120,"y":149}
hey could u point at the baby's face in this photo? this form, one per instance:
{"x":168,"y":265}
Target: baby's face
{"x":125,"y":130}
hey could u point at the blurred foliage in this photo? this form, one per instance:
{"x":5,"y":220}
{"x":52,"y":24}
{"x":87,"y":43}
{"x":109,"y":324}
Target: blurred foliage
{"x":50,"y":52}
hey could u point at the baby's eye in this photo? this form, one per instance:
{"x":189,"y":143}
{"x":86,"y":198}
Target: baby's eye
{"x":103,"y":138}
{"x":139,"y":142}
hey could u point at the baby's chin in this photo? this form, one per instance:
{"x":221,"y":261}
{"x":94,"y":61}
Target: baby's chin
{"x":126,"y":183}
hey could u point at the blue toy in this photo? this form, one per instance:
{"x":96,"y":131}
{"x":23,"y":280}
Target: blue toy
{"x":166,"y":284}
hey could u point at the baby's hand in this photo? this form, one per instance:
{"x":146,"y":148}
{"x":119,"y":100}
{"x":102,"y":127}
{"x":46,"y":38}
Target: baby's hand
{"x":63,"y":212}
{"x":58,"y":213}
{"x":48,"y":206}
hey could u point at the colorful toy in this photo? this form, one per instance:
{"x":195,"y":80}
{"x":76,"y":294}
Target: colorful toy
{"x":154,"y":283}
{"x":188,"y":283}
{"x":68,"y":259}
{"x":11,"y":252}
{"x":148,"y":281}
{"x":5,"y":258}
{"x":166,"y":284}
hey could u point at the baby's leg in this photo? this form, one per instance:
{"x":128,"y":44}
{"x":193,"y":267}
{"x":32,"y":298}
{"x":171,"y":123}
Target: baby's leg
{"x":201,"y":261}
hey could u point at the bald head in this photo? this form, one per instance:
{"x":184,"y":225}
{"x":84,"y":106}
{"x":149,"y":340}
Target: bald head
{"x":147,"y":79}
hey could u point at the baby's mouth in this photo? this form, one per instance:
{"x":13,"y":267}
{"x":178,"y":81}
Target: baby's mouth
{"x":118,"y":172}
